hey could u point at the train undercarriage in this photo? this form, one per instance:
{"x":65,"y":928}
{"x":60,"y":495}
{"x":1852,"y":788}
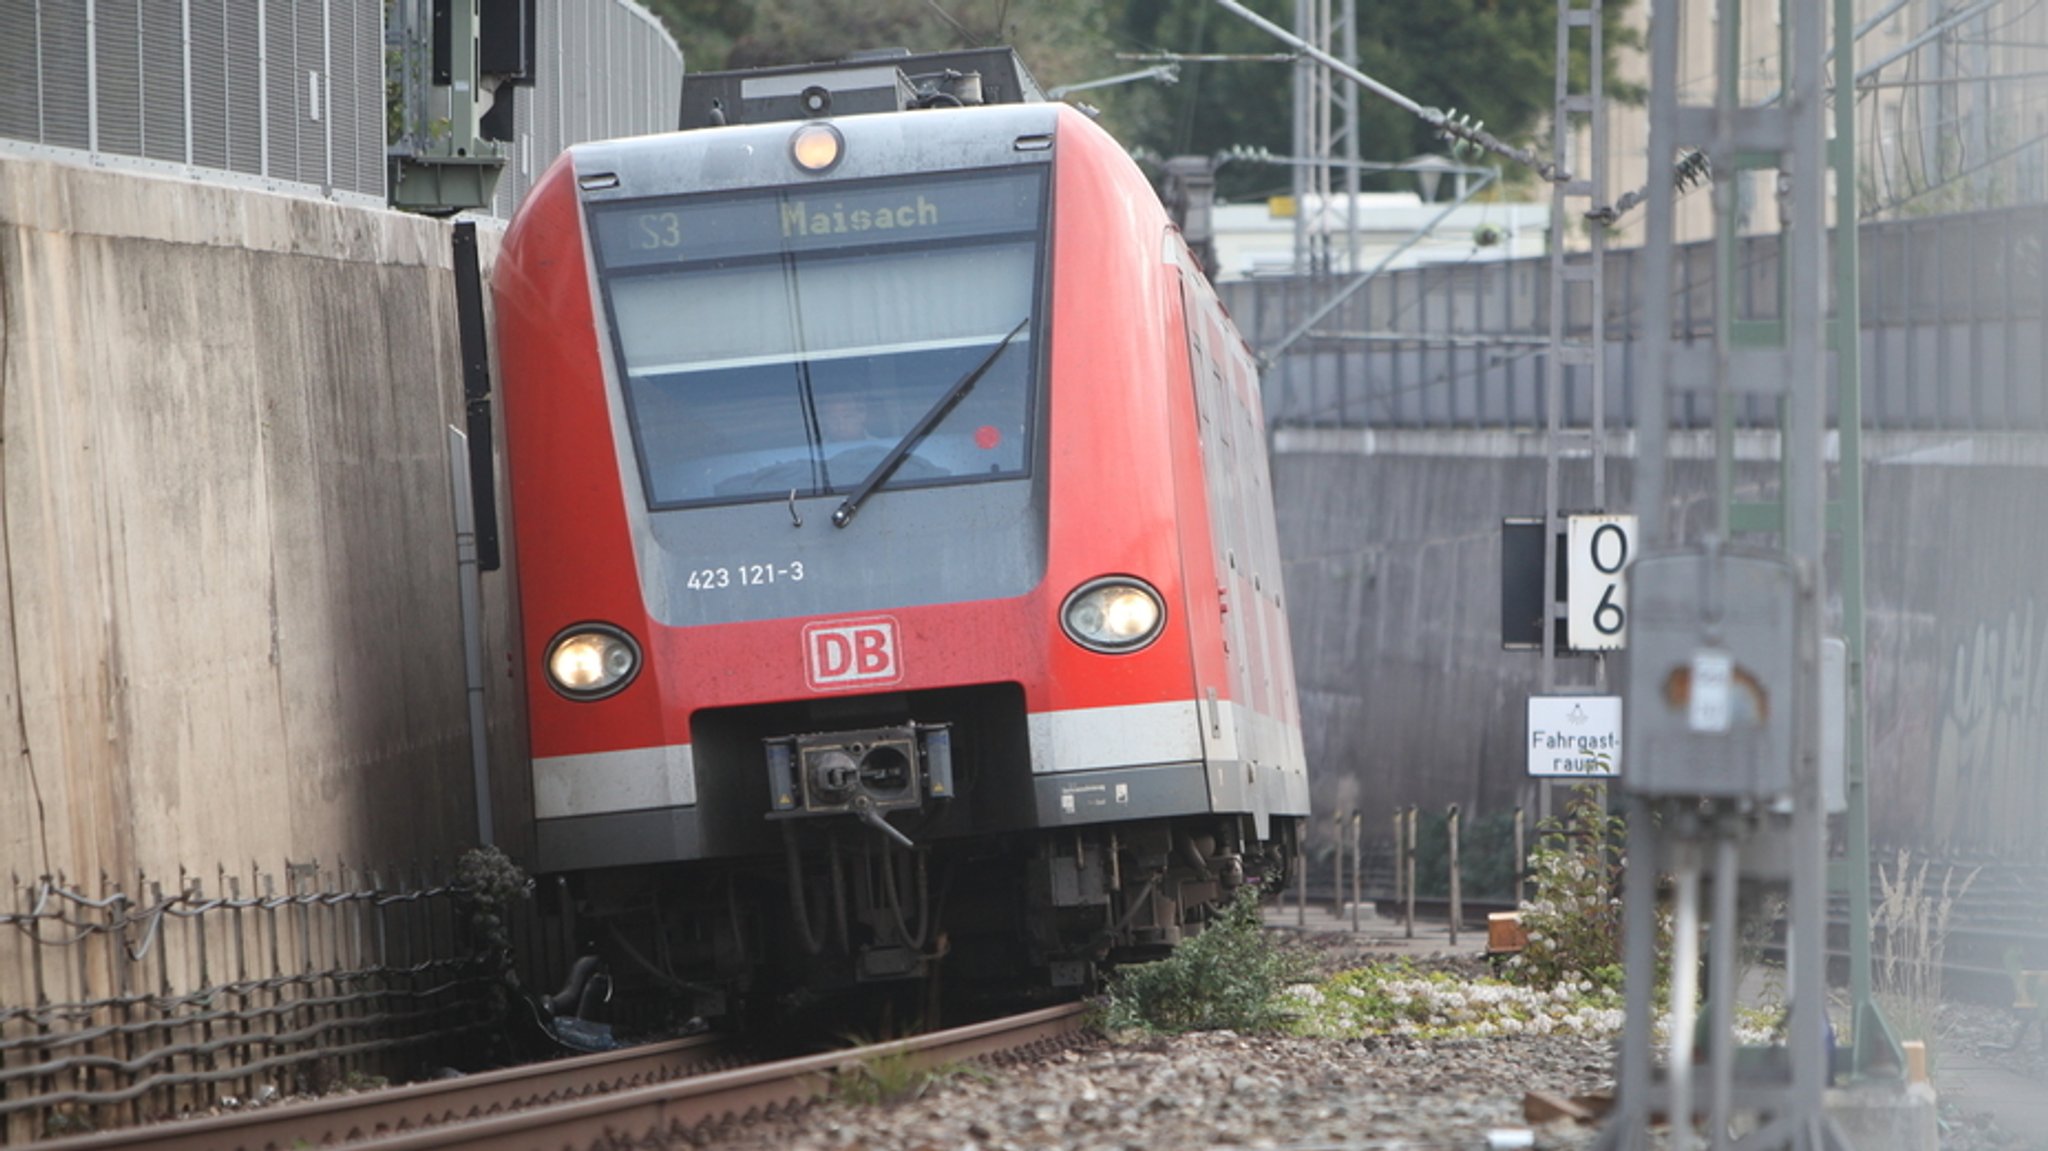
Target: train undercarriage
{"x":848,"y":911}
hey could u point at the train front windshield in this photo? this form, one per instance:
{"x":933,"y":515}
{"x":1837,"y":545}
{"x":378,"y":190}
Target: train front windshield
{"x":786,"y":341}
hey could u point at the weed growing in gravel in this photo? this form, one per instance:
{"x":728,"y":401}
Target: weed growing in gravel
{"x":1230,"y":977}
{"x":889,"y":1079}
{"x":1912,"y":921}
{"x":1399,"y":999}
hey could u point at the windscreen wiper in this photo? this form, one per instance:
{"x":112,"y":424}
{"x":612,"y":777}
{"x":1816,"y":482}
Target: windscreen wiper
{"x":844,"y":513}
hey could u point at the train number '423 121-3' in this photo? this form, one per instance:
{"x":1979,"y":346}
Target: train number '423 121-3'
{"x":745,"y":575}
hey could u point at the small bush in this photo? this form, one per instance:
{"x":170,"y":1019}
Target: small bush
{"x":1573,"y":919}
{"x":1230,"y":977}
{"x":488,"y":886}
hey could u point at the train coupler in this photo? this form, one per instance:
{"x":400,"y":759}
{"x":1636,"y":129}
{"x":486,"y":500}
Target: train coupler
{"x":866,"y":773}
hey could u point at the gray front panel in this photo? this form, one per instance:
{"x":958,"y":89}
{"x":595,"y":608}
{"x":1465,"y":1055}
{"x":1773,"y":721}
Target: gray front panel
{"x":906,"y":548}
{"x":660,"y":835}
{"x":1115,"y":794}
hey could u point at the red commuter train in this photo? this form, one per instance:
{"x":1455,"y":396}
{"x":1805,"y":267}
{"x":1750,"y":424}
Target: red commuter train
{"x":897,"y":573}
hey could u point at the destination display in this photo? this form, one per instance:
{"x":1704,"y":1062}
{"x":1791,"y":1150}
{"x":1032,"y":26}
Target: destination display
{"x":818,"y":217}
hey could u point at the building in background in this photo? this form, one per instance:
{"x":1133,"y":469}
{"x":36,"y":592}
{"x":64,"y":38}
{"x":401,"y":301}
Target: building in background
{"x":1254,"y":240}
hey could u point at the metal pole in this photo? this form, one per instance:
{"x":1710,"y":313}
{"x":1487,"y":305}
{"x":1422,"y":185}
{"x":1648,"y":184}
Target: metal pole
{"x":1721,"y":990}
{"x":1685,"y":973}
{"x":472,"y":632}
{"x":1304,"y":84}
{"x":1301,"y":887}
{"x":1457,"y":902}
{"x":1411,"y":872}
{"x":1357,"y":865}
{"x":1628,"y":1130}
{"x":1337,"y":880}
{"x":1521,"y":853}
{"x":1804,"y":249}
{"x":1869,"y":1023}
{"x":1400,"y":838}
{"x":1347,"y":105}
{"x":1653,"y":413}
{"x":1569,"y":199}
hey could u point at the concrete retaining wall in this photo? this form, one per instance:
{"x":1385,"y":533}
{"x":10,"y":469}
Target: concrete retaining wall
{"x":228,"y":607}
{"x":1392,"y":542}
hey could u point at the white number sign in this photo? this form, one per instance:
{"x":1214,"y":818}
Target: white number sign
{"x":1599,"y":549}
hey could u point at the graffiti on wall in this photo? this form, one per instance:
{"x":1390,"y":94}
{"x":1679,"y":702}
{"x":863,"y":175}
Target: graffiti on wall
{"x":1988,"y":787}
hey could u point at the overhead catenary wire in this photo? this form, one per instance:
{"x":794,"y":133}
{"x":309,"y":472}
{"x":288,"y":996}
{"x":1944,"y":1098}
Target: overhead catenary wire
{"x":1692,"y":166}
{"x":1450,"y":123}
{"x":1209,"y":57}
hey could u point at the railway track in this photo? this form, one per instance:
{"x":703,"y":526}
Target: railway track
{"x":645,"y":1096}
{"x":341,"y":1119}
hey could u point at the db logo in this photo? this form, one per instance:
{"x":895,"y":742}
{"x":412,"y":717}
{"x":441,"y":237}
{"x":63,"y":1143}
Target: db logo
{"x":852,"y":653}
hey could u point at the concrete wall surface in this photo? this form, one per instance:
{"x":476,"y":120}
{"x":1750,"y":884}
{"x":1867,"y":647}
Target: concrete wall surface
{"x":1392,"y":546}
{"x":230,"y":627}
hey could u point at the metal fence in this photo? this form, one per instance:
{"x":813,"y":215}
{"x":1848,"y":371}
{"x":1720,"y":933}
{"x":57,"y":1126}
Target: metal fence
{"x":1953,"y":319}
{"x":133,"y":1002}
{"x":289,"y":92}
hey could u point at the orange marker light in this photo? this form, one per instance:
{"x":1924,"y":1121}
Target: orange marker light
{"x":816,"y":147}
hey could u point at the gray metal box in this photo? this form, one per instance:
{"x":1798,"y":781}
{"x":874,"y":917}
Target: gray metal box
{"x":1712,"y":688}
{"x":839,"y":92}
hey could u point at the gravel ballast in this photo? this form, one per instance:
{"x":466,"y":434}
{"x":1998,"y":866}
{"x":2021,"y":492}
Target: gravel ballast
{"x":1220,"y":1090}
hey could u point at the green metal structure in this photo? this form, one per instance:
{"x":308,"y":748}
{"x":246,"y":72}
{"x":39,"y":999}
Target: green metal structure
{"x":1876,"y":1051}
{"x":440,"y":162}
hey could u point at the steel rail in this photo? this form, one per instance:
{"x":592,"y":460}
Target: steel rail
{"x":654,"y":1116}
{"x":347,"y":1118}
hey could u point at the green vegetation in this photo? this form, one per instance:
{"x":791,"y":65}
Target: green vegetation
{"x":1233,"y":977}
{"x":487,"y":884}
{"x":888,"y":1079}
{"x":1490,"y":59}
{"x":1230,"y":977}
{"x":1567,"y":982}
{"x":1397,"y":999}
{"x":1573,"y":918}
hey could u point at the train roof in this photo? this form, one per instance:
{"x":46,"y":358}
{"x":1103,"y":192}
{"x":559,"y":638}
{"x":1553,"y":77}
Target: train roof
{"x":751,"y":156}
{"x":891,"y":80}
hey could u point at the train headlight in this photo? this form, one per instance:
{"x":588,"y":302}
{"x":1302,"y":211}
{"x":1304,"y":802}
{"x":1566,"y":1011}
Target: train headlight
{"x":591,"y":661}
{"x":1113,"y":614}
{"x":816,"y":148}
